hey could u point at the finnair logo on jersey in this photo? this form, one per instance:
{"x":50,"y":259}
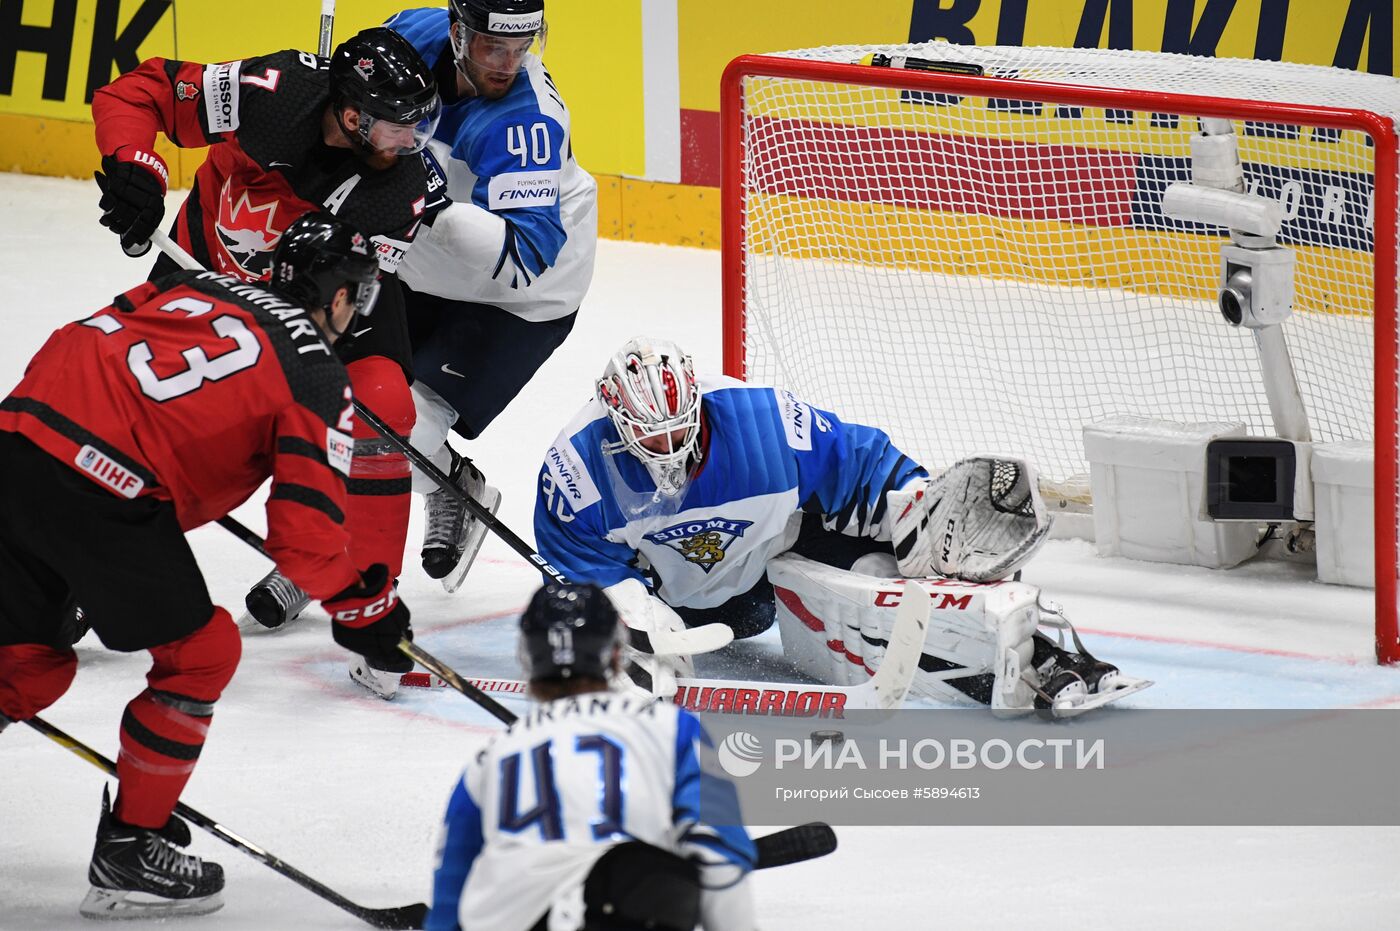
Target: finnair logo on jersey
{"x":701,"y":542}
{"x":566,"y":477}
{"x":516,"y":24}
{"x":799,"y":419}
{"x":523,"y":189}
{"x":114,"y":476}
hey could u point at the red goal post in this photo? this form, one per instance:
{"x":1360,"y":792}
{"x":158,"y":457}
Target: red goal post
{"x":848,"y":189}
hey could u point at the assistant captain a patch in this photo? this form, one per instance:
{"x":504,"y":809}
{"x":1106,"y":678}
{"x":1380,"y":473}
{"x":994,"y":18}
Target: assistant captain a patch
{"x":702,"y":542}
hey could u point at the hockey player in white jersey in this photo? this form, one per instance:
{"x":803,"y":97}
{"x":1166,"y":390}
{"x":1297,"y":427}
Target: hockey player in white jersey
{"x":586,"y":813}
{"x":494,"y":287}
{"x":708,"y":507}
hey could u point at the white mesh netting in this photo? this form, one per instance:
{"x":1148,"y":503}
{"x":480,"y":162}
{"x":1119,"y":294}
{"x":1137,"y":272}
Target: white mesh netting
{"x":979,"y":274}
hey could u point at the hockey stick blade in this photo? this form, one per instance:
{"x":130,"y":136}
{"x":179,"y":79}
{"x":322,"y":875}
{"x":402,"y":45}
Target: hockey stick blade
{"x":403,"y":917}
{"x":793,"y":845}
{"x":449,"y":677}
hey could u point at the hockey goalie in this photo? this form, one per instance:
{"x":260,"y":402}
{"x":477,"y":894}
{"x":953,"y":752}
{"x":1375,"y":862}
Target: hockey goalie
{"x":708,"y":508}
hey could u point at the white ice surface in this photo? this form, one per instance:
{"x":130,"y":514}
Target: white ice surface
{"x":349,"y":788}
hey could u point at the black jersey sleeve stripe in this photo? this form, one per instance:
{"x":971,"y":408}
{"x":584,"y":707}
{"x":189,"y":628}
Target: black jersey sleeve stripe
{"x":309,"y":497}
{"x":65,"y":427}
{"x":380,"y":487}
{"x":296,"y":446}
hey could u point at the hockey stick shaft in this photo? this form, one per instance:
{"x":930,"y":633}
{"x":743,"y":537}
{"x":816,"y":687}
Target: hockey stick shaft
{"x":492,"y":523}
{"x":420,"y":461}
{"x":323,"y":45}
{"x":449,"y":676}
{"x":407,"y":916}
{"x":244,"y":534}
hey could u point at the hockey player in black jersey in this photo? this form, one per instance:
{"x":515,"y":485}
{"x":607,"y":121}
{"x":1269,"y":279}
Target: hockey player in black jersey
{"x":287,"y":132}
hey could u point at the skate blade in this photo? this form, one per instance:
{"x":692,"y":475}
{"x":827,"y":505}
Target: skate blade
{"x":385,"y":685}
{"x":1126,"y":686}
{"x":124,"y":904}
{"x":491,"y":500}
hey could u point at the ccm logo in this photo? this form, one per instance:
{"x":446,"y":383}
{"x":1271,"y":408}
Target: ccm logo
{"x":891,"y":599}
{"x":371,"y":610}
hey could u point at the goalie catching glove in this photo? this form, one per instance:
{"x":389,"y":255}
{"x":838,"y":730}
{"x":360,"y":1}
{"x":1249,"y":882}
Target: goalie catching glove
{"x":659,"y":644}
{"x":980,"y":520}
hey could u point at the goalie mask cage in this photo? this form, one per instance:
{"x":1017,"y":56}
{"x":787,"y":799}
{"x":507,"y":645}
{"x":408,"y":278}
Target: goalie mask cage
{"x":981,"y":264}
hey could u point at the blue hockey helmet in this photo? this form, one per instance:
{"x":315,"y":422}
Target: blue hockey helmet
{"x":569,"y":631}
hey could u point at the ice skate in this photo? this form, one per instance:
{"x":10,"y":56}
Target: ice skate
{"x":452,"y":536}
{"x":274,"y":601}
{"x":1073,"y":683}
{"x":141,"y":873}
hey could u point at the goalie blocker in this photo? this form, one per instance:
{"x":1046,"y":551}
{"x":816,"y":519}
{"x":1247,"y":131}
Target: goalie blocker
{"x":982,"y":642}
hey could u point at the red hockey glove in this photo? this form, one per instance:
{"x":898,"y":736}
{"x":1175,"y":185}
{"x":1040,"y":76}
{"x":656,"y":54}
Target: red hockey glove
{"x":133,"y":196}
{"x":370,"y":620}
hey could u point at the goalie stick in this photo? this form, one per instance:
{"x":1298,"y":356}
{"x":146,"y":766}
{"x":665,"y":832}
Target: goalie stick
{"x":885,"y":690}
{"x":406,"y":916}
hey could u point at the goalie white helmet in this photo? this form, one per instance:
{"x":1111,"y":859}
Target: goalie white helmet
{"x":649,"y":391}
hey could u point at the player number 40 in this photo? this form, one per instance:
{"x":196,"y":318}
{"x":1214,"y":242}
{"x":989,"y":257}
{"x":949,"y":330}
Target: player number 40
{"x":530,"y":145}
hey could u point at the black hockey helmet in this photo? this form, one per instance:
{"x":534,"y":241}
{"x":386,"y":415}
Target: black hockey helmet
{"x":508,"y":30}
{"x":320,"y":253}
{"x":379,"y":73}
{"x":569,"y":631}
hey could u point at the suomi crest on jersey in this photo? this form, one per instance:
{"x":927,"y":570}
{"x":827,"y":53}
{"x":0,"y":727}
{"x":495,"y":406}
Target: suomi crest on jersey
{"x":701,"y":542}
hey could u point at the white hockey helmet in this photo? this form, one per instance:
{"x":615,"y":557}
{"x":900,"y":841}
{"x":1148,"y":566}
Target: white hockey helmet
{"x":649,"y":391}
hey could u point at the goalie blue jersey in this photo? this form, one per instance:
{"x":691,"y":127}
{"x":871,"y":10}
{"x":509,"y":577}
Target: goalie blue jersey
{"x":525,"y":229}
{"x":768,"y":457}
{"x":544,"y":799}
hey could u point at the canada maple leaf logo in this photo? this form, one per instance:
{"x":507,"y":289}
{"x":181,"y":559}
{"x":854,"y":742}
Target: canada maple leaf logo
{"x":248,"y":232}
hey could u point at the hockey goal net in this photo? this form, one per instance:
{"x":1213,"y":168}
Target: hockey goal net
{"x":981,"y":263}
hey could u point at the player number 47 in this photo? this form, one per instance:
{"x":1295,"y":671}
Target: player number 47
{"x":529,"y":146}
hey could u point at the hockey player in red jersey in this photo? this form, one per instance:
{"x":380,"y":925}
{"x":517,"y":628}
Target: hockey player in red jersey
{"x":159,"y":413}
{"x":288,"y":132}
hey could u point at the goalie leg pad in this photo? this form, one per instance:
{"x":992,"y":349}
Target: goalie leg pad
{"x":835,"y":625}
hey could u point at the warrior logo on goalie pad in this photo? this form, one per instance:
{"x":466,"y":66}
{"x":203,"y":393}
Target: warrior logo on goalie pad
{"x":702,"y":542}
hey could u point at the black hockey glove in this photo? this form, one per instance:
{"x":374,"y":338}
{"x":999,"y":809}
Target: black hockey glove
{"x":369,"y":619}
{"x":133,"y":196}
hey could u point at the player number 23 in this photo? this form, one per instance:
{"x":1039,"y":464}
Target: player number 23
{"x":199,"y":367}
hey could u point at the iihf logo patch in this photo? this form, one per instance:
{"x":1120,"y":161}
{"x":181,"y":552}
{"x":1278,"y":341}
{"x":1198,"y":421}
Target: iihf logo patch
{"x":702,"y":542}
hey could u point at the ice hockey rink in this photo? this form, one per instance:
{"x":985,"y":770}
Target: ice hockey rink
{"x":349,"y":788}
